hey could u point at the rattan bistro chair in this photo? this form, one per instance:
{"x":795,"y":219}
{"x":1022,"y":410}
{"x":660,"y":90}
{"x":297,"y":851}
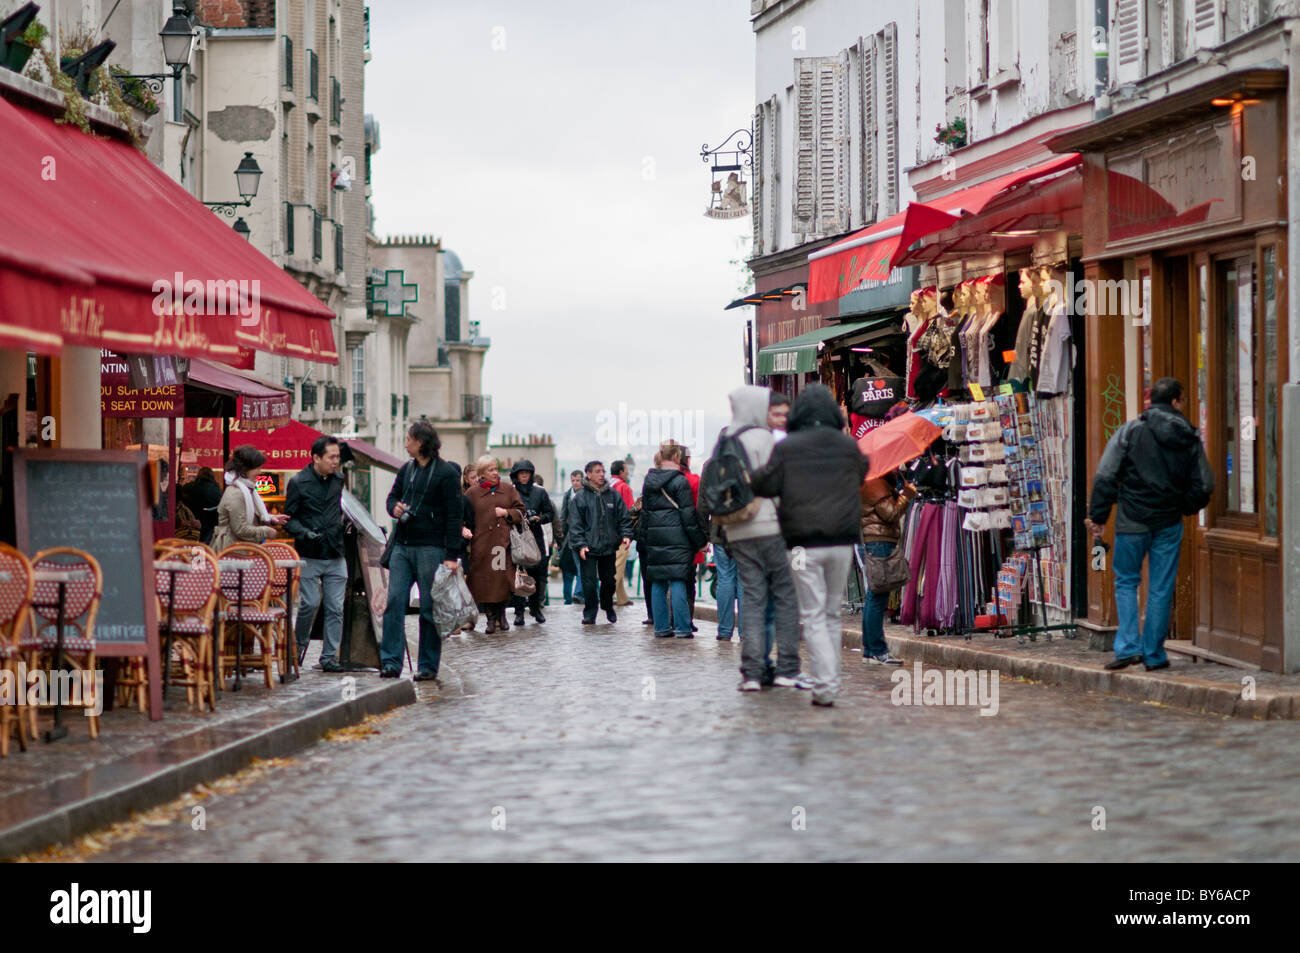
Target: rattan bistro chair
{"x":283,"y":595}
{"x":80,"y":608}
{"x":15,"y":604}
{"x":247,"y":613}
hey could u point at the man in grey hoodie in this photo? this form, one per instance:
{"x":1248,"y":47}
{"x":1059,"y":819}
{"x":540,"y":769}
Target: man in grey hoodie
{"x":759,"y":551}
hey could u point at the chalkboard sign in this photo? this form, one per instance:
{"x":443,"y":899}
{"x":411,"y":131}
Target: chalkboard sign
{"x":97,"y":501}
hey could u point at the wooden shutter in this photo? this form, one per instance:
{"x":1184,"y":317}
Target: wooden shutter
{"x":889,"y":67}
{"x":870,"y":127}
{"x":772,"y":163}
{"x":1129,"y":33}
{"x":803,"y":195}
{"x":833,"y":144}
{"x":1207,"y":22}
{"x":1168,"y":56}
{"x":756,"y":180}
{"x":1249,"y":15}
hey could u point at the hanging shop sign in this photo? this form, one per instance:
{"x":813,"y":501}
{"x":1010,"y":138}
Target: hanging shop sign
{"x":119,"y":397}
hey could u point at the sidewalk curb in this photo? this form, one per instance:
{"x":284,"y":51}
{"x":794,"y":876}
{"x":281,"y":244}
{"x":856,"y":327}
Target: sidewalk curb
{"x":162,"y":774}
{"x":1173,"y":691}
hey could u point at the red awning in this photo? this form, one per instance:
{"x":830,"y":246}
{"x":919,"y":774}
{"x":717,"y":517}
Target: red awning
{"x":374,"y":454}
{"x":874,"y":252}
{"x":286,"y":448}
{"x":261,"y":405}
{"x":94,"y":239}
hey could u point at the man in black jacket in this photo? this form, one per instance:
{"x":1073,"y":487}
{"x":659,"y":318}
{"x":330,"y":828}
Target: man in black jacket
{"x":598,"y":525}
{"x":1155,"y":467}
{"x":426,"y":502}
{"x":817,"y":471}
{"x":539,"y":511}
{"x":313,"y":502}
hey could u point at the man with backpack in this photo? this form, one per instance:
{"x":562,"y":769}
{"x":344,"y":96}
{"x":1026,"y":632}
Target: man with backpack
{"x":753,"y":540}
{"x":1155,"y":468}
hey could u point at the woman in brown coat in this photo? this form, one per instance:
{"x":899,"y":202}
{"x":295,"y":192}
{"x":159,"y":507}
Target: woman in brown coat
{"x":491,"y":507}
{"x":882,"y":517}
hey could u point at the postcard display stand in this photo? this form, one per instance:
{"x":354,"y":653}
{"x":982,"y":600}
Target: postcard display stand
{"x":1014,"y":478}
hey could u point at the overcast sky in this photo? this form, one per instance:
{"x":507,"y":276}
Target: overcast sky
{"x":564,"y":170}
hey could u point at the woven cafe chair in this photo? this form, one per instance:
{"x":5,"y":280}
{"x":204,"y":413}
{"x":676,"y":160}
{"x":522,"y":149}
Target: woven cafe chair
{"x":283,"y":595}
{"x":15,"y":604}
{"x":80,"y":608}
{"x":252,"y":605}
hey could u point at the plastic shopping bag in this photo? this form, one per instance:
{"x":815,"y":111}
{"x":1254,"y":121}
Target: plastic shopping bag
{"x":453,"y":606}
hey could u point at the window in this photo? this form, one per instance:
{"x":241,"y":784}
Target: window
{"x":452,"y":312}
{"x":359,"y":381}
{"x":1237,"y":287}
{"x":820,"y":196}
{"x":1128,"y":31}
{"x":1269,"y":427}
{"x":1145,"y":335}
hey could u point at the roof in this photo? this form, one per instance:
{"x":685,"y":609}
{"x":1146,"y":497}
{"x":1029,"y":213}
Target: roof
{"x":452,"y":269}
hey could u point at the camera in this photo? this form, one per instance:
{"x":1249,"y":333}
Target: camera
{"x":405,"y":517}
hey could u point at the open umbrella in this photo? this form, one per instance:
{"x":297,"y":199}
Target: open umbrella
{"x":895,"y":442}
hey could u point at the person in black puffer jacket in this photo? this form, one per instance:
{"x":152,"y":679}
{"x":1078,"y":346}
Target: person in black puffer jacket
{"x":817,"y":472}
{"x":669,"y":535}
{"x":538,"y":512}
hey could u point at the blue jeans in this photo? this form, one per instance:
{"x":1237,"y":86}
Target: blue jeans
{"x":769,"y":618}
{"x":1162,"y":574}
{"x":572,"y":577}
{"x":659,"y":594}
{"x":728,"y":591}
{"x":329,"y":576}
{"x":874,"y":607}
{"x":411,"y":564}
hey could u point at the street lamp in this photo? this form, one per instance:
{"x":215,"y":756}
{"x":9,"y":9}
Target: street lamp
{"x":242,"y":229}
{"x":248,"y":175}
{"x":177,"y":42}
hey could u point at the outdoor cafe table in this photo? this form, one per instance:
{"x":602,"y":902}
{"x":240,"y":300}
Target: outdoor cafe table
{"x":238,"y":567}
{"x":62,"y":577}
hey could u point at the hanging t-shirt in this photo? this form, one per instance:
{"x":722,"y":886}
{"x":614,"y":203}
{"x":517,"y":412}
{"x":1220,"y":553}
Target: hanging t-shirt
{"x":863,"y":425}
{"x":956,"y":377}
{"x":1024,"y":337}
{"x":983,"y":346}
{"x":1056,"y":354}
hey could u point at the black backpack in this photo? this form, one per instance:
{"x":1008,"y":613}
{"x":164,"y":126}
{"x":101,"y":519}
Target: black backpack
{"x":725,"y":494}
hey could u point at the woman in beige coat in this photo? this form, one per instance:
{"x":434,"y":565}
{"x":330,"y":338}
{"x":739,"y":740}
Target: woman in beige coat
{"x":242,"y":516}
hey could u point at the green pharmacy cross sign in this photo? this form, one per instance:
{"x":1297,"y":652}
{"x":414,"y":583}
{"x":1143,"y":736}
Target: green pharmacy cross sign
{"x":393,"y":293}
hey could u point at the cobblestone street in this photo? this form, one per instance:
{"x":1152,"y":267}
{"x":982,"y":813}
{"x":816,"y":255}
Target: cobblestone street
{"x":605,"y":743}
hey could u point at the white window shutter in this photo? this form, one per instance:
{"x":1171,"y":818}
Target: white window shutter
{"x":1129,"y":33}
{"x":772,"y":165}
{"x":889,"y":69}
{"x":1168,"y":34}
{"x":870,"y":127}
{"x":1207,"y":22}
{"x":803,"y":195}
{"x":833,"y":144}
{"x":756,"y":180}
{"x":1249,"y":15}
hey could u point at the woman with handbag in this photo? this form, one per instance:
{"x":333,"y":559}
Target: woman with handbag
{"x":882,"y":518}
{"x":491,"y":508}
{"x":242,"y":517}
{"x":672,"y":535}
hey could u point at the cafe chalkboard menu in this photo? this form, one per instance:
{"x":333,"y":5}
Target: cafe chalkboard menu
{"x":96,"y":501}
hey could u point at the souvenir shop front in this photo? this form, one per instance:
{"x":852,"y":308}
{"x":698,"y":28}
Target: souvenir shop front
{"x":784,"y":316}
{"x":1186,"y":215}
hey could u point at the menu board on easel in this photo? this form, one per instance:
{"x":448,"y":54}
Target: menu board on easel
{"x":98,"y":501}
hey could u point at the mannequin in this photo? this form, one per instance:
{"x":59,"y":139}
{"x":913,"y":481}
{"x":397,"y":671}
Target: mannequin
{"x":1054,"y":357}
{"x":914,"y":325}
{"x":1029,"y":290}
{"x":934,"y":348}
{"x":988,"y":309}
{"x":961,"y":296}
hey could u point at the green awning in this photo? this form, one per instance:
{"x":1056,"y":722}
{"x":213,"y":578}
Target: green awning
{"x":798,"y":355}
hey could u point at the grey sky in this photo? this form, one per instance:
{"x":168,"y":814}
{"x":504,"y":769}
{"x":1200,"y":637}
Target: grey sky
{"x":528,"y":162}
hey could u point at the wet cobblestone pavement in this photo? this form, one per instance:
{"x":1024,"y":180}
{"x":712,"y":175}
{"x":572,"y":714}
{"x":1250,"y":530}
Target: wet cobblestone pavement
{"x":563,"y":742}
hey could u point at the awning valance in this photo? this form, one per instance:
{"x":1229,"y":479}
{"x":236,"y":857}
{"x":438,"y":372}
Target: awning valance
{"x":286,"y":448}
{"x":100,"y":248}
{"x":258,"y":405}
{"x":374,"y":454}
{"x":798,"y":355}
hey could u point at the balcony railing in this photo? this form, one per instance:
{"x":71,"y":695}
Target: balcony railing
{"x":308,"y":396}
{"x":336,"y":101}
{"x":288,"y":63}
{"x":317,"y":229}
{"x":313,"y":76}
{"x":338,"y":247}
{"x":288,"y":228}
{"x":476,"y":408}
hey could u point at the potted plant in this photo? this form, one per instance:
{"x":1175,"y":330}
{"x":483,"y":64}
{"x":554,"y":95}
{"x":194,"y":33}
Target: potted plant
{"x":953,"y":135}
{"x":19,"y":50}
{"x":134,"y":92}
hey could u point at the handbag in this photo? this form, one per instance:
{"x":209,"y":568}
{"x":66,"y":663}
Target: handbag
{"x":523,"y":547}
{"x":524,"y":585}
{"x":886,"y":573}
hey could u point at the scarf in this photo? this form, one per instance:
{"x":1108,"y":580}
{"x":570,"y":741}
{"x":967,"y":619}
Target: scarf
{"x":254,"y":509}
{"x":490,"y":486}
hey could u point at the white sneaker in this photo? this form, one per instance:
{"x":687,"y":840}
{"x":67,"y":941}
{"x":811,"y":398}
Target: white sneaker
{"x":749,"y":686}
{"x":800,"y":681}
{"x":886,"y":659}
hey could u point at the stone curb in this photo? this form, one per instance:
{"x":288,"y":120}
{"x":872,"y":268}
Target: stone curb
{"x":1173,"y":691}
{"x":61,"y":811}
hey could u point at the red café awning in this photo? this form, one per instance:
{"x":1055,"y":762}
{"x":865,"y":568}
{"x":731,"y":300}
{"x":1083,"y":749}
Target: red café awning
{"x":872,"y":253}
{"x":93,"y":239}
{"x":286,"y":448}
{"x":260,"y":406}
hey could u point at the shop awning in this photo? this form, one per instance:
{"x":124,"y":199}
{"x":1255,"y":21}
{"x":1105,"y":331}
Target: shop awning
{"x":759,"y":297}
{"x":258,"y":405}
{"x":374,"y":454}
{"x":286,"y":448}
{"x":96,"y":240}
{"x":798,"y":355}
{"x":872,"y":253}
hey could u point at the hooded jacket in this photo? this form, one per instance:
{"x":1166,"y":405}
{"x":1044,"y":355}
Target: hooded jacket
{"x":537,"y":502}
{"x":817,"y":472}
{"x":598,"y":520}
{"x":1155,"y":467}
{"x":749,"y":409}
{"x":669,"y":530}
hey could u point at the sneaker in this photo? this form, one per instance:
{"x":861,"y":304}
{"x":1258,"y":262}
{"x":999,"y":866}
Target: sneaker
{"x":611,"y":615}
{"x":647,"y":621}
{"x":331,"y":665}
{"x":823,"y":701}
{"x":390,"y":672}
{"x":1116,"y":664}
{"x":749,"y":685}
{"x":664,"y":635}
{"x":799,"y":681}
{"x":1156,"y":668}
{"x":685,"y":635}
{"x":886,"y":659}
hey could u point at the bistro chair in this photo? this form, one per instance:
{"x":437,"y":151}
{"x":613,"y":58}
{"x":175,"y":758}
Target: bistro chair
{"x":80,"y":607}
{"x":246,"y":613}
{"x":284,"y":593}
{"x":15,"y":604}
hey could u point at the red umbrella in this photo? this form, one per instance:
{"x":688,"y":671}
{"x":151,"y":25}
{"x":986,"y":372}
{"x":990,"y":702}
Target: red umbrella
{"x":895,"y":442}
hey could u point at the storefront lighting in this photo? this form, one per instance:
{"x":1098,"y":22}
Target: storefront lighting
{"x":862,"y":350}
{"x":1015,"y":233}
{"x":242,"y":229}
